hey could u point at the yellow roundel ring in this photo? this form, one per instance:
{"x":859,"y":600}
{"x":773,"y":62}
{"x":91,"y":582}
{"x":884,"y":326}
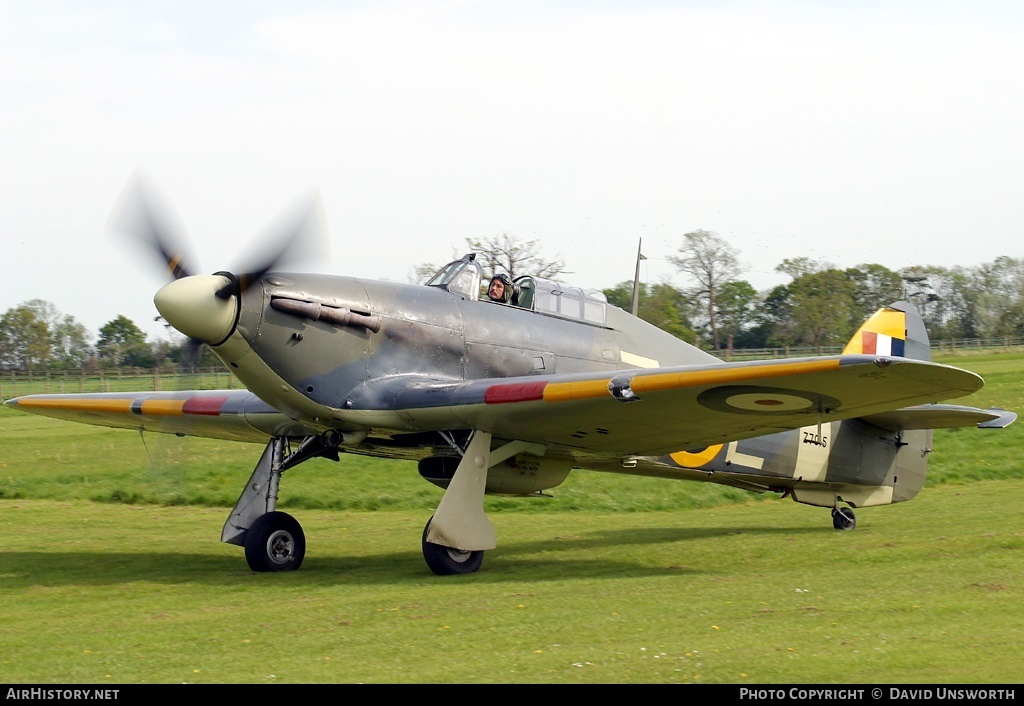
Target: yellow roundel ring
{"x":687,"y":459}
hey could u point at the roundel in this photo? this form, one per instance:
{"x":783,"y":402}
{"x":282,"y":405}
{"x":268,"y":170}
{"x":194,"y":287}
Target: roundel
{"x":748,"y":399}
{"x":696,"y":459}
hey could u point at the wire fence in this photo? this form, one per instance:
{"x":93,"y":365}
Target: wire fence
{"x":14,"y":383}
{"x":955,"y":346}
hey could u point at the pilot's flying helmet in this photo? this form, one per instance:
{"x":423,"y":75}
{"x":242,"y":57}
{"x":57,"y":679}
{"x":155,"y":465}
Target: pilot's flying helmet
{"x":507,"y":281}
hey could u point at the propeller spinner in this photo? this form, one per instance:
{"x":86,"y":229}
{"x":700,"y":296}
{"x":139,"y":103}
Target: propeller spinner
{"x":195,"y":307}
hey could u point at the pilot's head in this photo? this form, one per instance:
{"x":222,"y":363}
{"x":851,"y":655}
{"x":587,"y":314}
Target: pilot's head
{"x":500,"y":288}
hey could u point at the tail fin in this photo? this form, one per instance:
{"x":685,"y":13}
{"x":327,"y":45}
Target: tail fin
{"x":896,"y":330}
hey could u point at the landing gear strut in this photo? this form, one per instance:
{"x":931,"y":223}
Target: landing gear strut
{"x":273,"y":540}
{"x":456,"y":537}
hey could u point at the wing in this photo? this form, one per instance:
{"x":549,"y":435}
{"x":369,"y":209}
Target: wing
{"x":235,"y":415}
{"x":658,"y":411}
{"x":634,"y":412}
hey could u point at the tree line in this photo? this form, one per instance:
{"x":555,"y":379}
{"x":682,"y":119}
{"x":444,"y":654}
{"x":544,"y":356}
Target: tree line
{"x":36,"y":336}
{"x":820,"y":306}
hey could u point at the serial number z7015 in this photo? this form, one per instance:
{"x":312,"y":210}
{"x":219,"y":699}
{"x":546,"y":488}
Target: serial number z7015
{"x":817,"y":439}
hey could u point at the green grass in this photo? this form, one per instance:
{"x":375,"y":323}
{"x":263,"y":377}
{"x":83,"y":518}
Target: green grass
{"x":114,"y":574}
{"x":924,"y":592}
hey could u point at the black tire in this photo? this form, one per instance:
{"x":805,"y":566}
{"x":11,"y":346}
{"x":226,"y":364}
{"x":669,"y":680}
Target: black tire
{"x":843,"y":519}
{"x":445,"y":561}
{"x":275,"y":542}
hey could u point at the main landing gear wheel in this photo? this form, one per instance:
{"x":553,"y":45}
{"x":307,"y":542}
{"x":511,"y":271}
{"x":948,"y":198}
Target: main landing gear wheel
{"x":446,"y":561}
{"x":843,"y":519}
{"x":275,"y":542}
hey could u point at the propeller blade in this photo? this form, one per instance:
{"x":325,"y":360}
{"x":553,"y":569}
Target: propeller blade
{"x":194,"y":354}
{"x":140,"y":214}
{"x":301,"y":235}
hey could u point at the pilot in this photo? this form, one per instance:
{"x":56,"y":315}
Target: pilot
{"x":500,"y":288}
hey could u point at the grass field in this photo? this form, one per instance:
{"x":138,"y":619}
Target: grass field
{"x":114,"y":573}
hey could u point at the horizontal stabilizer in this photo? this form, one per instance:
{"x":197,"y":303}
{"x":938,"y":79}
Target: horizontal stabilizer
{"x":941,"y":416}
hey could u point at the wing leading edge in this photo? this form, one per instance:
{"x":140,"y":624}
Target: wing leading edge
{"x":234,"y":415}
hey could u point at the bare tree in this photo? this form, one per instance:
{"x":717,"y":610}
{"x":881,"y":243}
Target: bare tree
{"x":505,"y":252}
{"x":423,"y":272}
{"x":712,"y":262}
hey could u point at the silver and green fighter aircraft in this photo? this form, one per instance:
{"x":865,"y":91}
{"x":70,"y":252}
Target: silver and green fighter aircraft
{"x":510,"y":397}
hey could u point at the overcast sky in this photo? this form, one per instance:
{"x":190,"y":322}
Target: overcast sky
{"x":887,"y":132}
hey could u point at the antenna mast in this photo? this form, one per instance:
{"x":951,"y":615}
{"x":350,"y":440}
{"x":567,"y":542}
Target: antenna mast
{"x":636,"y":279}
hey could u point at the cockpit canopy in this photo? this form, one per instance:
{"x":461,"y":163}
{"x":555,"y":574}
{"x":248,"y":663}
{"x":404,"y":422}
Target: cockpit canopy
{"x":465,"y":278}
{"x":460,"y":277}
{"x":570,"y":301}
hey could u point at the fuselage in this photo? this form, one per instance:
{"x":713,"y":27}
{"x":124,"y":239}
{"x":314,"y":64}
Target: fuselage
{"x":421,"y":332}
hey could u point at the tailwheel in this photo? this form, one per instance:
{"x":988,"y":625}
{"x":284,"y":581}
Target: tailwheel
{"x":843,"y":519}
{"x":275,"y":542}
{"x":447,"y":561}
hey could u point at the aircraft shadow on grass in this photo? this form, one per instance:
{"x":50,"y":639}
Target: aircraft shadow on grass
{"x":29,"y":569}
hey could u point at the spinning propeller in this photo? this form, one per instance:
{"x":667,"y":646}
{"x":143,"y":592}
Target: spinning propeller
{"x":203,"y":307}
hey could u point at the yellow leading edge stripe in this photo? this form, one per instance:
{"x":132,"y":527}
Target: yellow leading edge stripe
{"x":118,"y":406}
{"x":668,"y":381}
{"x":566,"y":391}
{"x":162,"y":408}
{"x":165,"y":408}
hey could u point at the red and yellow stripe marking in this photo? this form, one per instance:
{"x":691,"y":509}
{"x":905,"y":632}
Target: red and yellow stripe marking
{"x":210,"y":406}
